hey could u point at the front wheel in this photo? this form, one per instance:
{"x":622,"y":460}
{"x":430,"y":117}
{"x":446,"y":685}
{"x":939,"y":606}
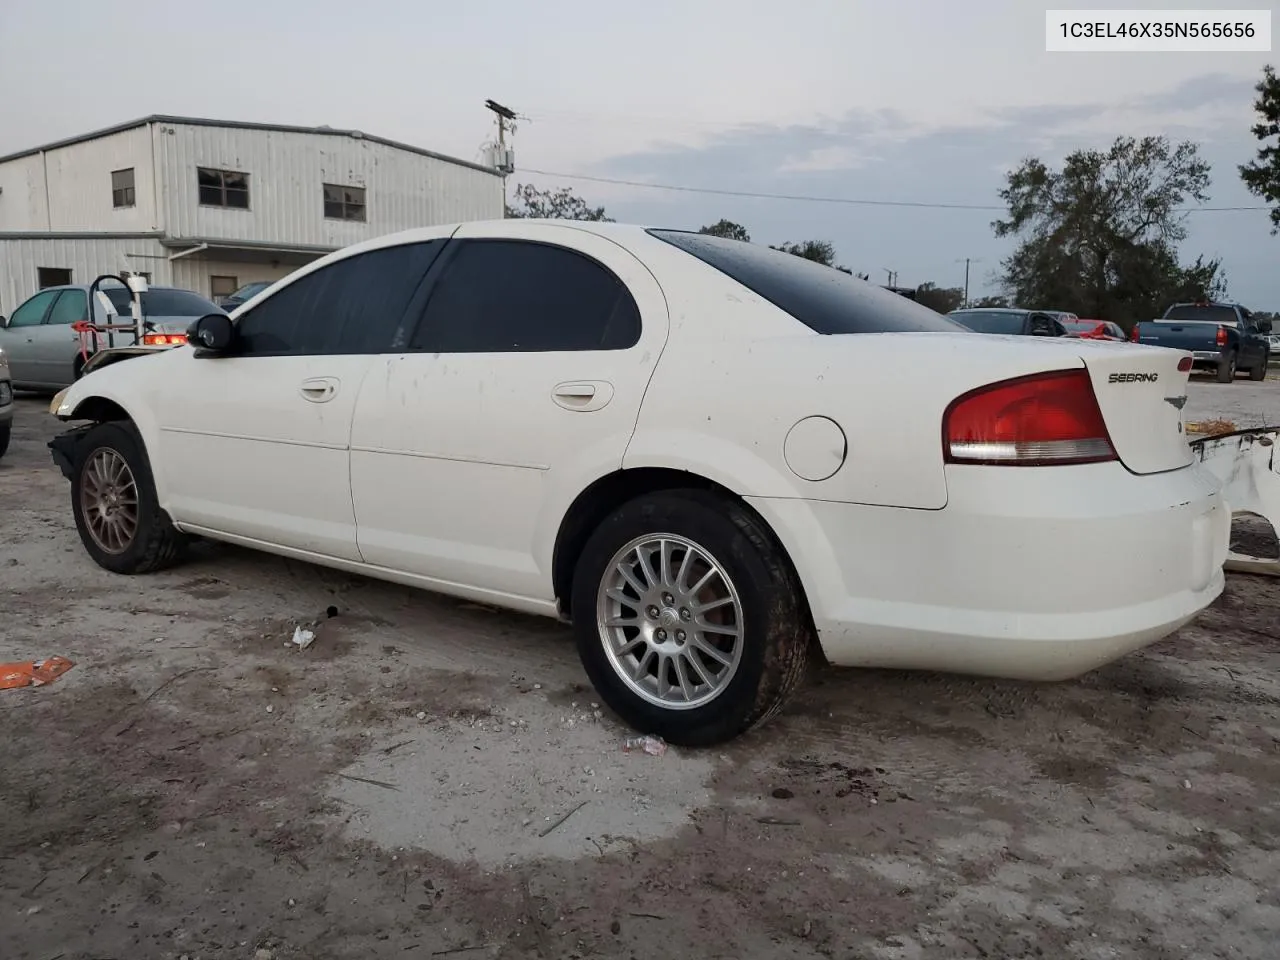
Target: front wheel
{"x":113,"y":497}
{"x":688,"y":617}
{"x":1227,"y":369}
{"x":1259,"y":372}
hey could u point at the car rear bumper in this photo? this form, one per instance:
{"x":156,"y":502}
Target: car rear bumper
{"x":1028,"y":573}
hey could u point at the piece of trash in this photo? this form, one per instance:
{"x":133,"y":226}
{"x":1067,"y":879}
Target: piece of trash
{"x":303,"y":638}
{"x":270,"y":709}
{"x":33,"y":673}
{"x":654,"y":746}
{"x":421,"y":715}
{"x":1186,"y":784}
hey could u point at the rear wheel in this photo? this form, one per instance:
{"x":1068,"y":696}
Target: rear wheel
{"x":1259,"y":372}
{"x":1227,"y":368}
{"x":688,"y":618}
{"x":113,"y":497}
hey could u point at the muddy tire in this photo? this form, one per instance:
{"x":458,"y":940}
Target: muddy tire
{"x":1227,"y":369}
{"x":1259,"y":372}
{"x":688,"y":617}
{"x":113,"y":498}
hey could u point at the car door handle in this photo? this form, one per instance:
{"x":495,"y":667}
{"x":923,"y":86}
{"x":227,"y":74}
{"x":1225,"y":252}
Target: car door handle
{"x":319,"y":389}
{"x":583,"y":395}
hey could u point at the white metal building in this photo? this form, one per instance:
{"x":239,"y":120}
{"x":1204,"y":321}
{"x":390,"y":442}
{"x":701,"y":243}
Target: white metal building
{"x":210,"y":205}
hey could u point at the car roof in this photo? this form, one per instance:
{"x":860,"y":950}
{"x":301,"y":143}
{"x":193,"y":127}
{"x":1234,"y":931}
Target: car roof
{"x":995,"y":310}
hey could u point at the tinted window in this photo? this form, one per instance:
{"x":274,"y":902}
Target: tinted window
{"x":990,"y":321}
{"x":1207,"y":314}
{"x":514,"y":296}
{"x":32,"y":312}
{"x":824,"y":299}
{"x":352,"y":306}
{"x":72,"y":307}
{"x":161,"y":302}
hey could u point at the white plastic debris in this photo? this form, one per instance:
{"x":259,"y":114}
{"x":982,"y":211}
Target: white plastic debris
{"x":654,"y":746}
{"x":303,"y":638}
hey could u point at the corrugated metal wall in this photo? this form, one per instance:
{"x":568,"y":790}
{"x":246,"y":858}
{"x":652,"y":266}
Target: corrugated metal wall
{"x":77,"y":192}
{"x":286,"y":172}
{"x":86,"y":259}
{"x":195,"y":274}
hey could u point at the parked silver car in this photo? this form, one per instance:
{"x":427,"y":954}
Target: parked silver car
{"x":6,"y":402}
{"x":44,"y":350}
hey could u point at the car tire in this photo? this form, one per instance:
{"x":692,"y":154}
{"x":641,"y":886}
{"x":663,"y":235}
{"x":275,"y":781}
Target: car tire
{"x":6,"y":430}
{"x":1227,"y":369}
{"x":689,"y":685}
{"x":113,"y":499}
{"x":1259,"y":372}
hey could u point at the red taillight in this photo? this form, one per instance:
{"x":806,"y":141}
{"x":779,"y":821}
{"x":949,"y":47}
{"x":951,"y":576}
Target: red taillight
{"x":164,"y":339}
{"x":1041,"y":420}
{"x":1184,"y":364}
{"x":1133,"y":334}
{"x":1222,"y":336}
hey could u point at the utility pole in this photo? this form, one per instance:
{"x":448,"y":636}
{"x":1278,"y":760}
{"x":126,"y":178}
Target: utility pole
{"x":967,"y":261}
{"x":505,"y":115}
{"x":893,"y":276}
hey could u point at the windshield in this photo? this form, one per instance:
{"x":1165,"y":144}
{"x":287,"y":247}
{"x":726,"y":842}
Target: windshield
{"x":250,"y":290}
{"x":1191,"y":312}
{"x":162,"y":302}
{"x":824,"y":299}
{"x":990,"y":321}
{"x":1080,"y":326}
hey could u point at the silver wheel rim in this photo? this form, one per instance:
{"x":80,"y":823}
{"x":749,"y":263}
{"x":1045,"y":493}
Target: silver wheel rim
{"x":109,"y":501}
{"x":670,"y":621}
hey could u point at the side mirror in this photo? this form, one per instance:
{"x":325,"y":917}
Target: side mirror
{"x":213,"y":333}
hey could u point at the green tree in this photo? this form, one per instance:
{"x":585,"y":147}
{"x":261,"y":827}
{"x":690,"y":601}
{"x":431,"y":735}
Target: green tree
{"x":559,"y":204}
{"x":1262,"y":177}
{"x":727,"y":229}
{"x":939,"y":299}
{"x":819,"y":251}
{"x":1100,"y":235}
{"x":990,"y":303}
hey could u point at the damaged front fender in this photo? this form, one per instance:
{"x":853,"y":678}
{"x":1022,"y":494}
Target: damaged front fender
{"x":1246,"y":464}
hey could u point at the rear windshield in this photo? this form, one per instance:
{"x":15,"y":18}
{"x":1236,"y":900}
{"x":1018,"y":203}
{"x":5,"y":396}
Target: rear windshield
{"x":163,"y":303}
{"x":990,"y":321}
{"x":251,"y":289}
{"x":824,"y":299}
{"x":1206,"y":314}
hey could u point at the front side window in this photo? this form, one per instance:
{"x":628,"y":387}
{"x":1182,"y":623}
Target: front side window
{"x":517,"y":296}
{"x":354,"y":305}
{"x":122,"y":192}
{"x":343,"y":203}
{"x":824,"y":299}
{"x":223,"y":188}
{"x":32,"y":312}
{"x":72,"y":307}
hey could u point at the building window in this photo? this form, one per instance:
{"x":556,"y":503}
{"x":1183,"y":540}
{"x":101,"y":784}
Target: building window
{"x":122,"y":193}
{"x":220,"y":287}
{"x":52,"y":277}
{"x":223,"y":188}
{"x":343,"y":203}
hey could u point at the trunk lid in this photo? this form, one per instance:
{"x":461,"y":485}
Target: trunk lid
{"x":1141,"y":393}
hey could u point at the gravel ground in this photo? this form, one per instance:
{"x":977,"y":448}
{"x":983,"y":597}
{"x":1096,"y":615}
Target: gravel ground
{"x":196,"y":787}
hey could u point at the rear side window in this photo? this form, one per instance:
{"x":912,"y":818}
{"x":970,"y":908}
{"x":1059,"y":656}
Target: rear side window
{"x":352,"y":306}
{"x":993,"y":321}
{"x":517,"y":296}
{"x":824,"y":299}
{"x":162,"y":303}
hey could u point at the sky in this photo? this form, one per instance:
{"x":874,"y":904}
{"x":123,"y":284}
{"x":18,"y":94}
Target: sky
{"x":910,"y":101}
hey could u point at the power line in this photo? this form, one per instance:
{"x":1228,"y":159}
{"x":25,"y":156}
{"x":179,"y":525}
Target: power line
{"x":803,"y":198}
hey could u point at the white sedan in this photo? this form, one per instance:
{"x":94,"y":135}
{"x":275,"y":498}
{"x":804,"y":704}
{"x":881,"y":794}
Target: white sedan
{"x":713,"y":458}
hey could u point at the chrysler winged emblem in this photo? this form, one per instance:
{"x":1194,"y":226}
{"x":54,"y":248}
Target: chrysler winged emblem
{"x":1178,"y":402}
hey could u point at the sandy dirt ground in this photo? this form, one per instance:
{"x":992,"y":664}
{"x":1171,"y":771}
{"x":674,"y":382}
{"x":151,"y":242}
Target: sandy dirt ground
{"x":434,"y":779}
